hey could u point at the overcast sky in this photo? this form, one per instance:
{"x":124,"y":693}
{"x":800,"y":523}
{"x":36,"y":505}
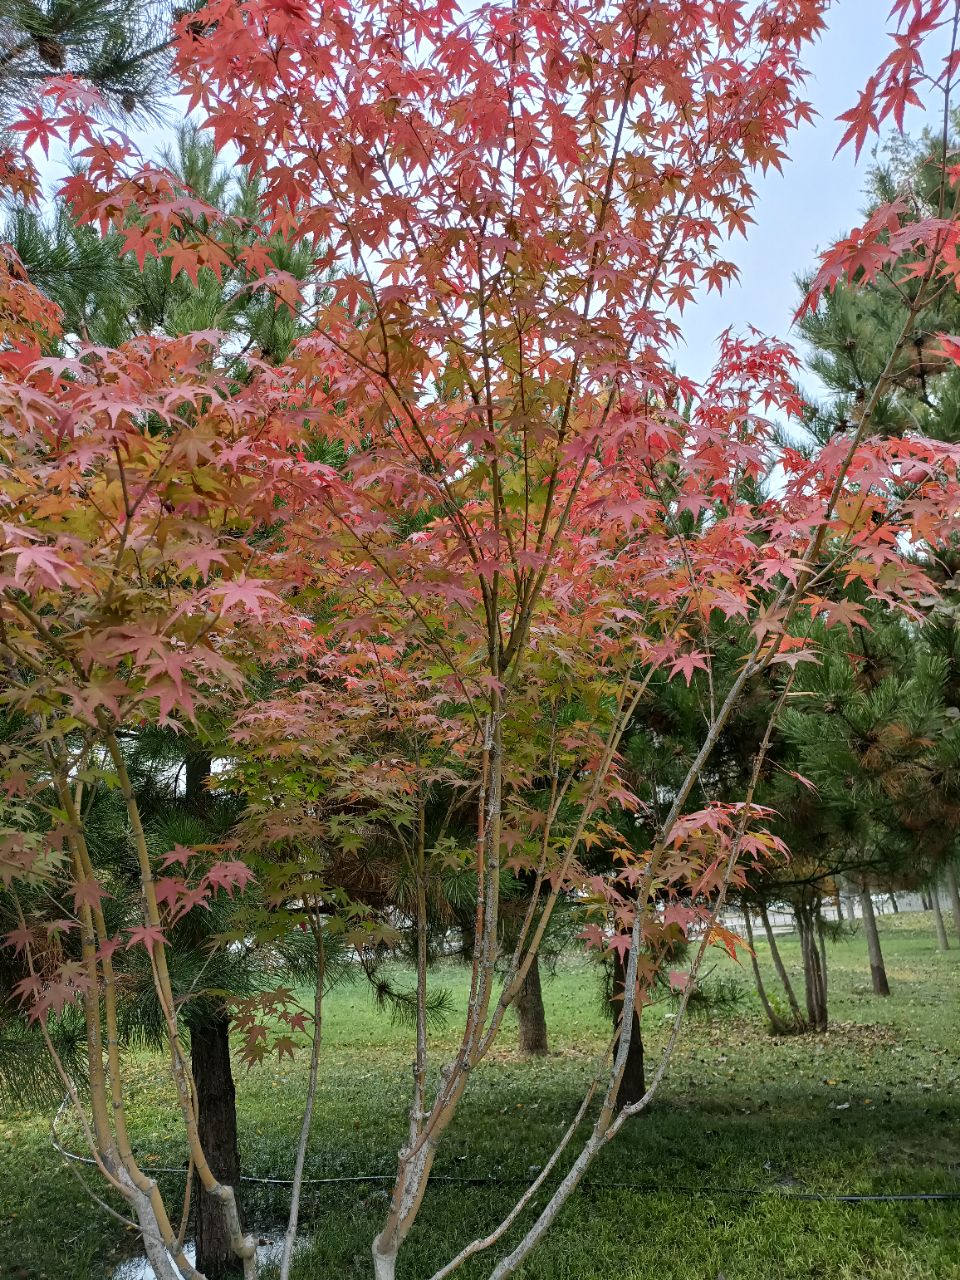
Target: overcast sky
{"x":815,"y":200}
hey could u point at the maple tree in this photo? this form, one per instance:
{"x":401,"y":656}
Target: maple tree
{"x":517,"y":201}
{"x":119,"y":497}
{"x":105,"y":298}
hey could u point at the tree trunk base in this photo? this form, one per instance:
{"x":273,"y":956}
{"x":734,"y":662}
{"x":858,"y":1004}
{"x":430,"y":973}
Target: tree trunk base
{"x":633,"y":1082}
{"x":531,"y":1014}
{"x":384,"y":1265}
{"x":217,"y":1116}
{"x":943,"y":942}
{"x":814,"y":967}
{"x":954,"y":888}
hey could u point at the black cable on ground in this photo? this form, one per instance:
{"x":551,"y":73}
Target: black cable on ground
{"x":448,"y":1180}
{"x":589,"y":1184}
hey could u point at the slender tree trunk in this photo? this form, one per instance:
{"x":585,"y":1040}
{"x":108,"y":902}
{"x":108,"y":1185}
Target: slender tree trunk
{"x":633,"y":1084}
{"x":290,"y":1236}
{"x":775,"y":1021}
{"x":216,"y":1097}
{"x":838,"y":903}
{"x":531,"y":1015}
{"x":943,"y":943}
{"x":780,"y":967}
{"x":894,"y":904}
{"x":217,"y":1117}
{"x":822,"y":950}
{"x":878,"y":971}
{"x":809,"y":979}
{"x":197,"y":768}
{"x":814,"y":978}
{"x":924,"y":900}
{"x":954,"y":887}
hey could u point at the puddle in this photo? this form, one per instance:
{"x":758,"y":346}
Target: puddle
{"x":268,"y":1250}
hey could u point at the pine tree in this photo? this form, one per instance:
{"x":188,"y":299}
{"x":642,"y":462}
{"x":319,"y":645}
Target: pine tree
{"x":852,"y":333}
{"x":860,"y":729}
{"x":107,"y":296}
{"x":119,"y":46}
{"x":851,"y":336}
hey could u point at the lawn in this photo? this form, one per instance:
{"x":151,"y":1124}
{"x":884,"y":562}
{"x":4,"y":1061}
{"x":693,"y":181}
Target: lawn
{"x":706,"y":1186}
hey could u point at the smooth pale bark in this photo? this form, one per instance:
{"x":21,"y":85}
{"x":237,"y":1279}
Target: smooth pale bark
{"x":244,"y":1246}
{"x":417,"y":1155}
{"x":780,"y":967}
{"x":531,"y":1015}
{"x":772,"y":1017}
{"x":159,"y":1258}
{"x":384,"y":1264}
{"x":290,"y":1236}
{"x":108,"y":1138}
{"x":954,"y":889}
{"x":878,"y":971}
{"x":633,"y":1080}
{"x":217,"y":1124}
{"x":943,"y":943}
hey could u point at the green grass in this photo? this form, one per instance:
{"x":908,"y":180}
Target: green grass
{"x":873,"y":1106}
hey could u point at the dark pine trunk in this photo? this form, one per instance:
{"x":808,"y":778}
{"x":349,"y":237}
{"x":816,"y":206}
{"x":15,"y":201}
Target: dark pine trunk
{"x":633,"y":1084}
{"x":822,"y":951}
{"x":197,"y":768}
{"x":531,"y":1015}
{"x":217,"y":1115}
{"x":878,"y":971}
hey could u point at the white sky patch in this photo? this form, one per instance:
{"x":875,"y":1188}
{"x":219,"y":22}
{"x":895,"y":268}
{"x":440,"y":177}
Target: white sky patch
{"x":815,"y":201}
{"x":817,"y":198}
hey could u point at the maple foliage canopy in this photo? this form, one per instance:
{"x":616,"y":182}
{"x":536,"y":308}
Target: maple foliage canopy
{"x":436,"y":556}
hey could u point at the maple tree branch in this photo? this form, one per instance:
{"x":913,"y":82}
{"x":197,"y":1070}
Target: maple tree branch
{"x":244,"y":1246}
{"x":100,"y":1129}
{"x":607,"y":1124}
{"x":420,"y":1062}
{"x":485,"y":1242}
{"x":290,"y":1234}
{"x":94,"y":928}
{"x":429,"y":635}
